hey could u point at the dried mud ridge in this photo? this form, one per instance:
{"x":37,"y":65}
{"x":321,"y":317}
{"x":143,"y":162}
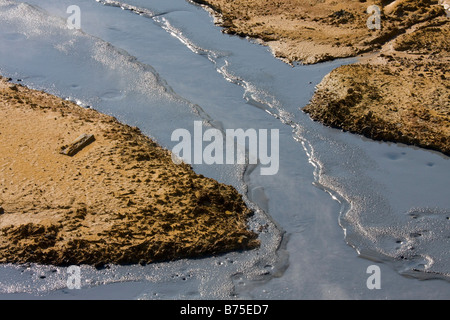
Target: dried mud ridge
{"x":119,"y":200}
{"x":319,"y":30}
{"x":400,"y":94}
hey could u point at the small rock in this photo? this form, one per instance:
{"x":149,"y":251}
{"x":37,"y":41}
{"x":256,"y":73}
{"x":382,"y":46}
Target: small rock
{"x":12,"y":87}
{"x":142,"y":262}
{"x":2,"y":211}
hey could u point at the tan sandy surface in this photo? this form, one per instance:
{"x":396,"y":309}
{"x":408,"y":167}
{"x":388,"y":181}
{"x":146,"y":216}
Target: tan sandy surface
{"x":400,"y":94}
{"x":312,"y":31}
{"x":119,"y":200}
{"x":400,"y":89}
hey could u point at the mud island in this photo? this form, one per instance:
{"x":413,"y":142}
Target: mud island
{"x":119,"y":199}
{"x":398,"y":91}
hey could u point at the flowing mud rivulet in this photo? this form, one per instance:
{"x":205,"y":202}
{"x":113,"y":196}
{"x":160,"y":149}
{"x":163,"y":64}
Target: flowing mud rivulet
{"x":339,"y":204}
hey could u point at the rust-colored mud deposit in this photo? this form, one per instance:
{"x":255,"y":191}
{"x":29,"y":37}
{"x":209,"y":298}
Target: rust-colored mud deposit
{"x":400,"y":92}
{"x":120,"y":199}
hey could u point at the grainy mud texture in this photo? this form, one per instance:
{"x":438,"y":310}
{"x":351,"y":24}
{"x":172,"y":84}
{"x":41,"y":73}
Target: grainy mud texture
{"x":119,"y":200}
{"x":402,"y":94}
{"x":400,"y":89}
{"x":311,"y":31}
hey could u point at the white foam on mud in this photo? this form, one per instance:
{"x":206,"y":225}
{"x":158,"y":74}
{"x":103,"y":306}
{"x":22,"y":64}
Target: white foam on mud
{"x":93,"y":72}
{"x":377,"y":207}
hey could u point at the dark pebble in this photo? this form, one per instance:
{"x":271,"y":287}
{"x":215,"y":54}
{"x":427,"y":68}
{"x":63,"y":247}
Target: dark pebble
{"x":100,"y":265}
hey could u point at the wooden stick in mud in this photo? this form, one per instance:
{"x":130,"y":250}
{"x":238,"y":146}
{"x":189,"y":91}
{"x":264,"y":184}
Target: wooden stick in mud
{"x":76,"y":146}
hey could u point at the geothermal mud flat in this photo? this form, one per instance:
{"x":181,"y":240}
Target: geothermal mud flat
{"x":119,"y":200}
{"x":163,"y":66}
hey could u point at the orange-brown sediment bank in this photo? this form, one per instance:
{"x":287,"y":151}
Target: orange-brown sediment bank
{"x":319,"y":30}
{"x":400,"y":93}
{"x":120,"y":199}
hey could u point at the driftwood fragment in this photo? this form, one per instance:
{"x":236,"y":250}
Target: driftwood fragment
{"x":81,"y":142}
